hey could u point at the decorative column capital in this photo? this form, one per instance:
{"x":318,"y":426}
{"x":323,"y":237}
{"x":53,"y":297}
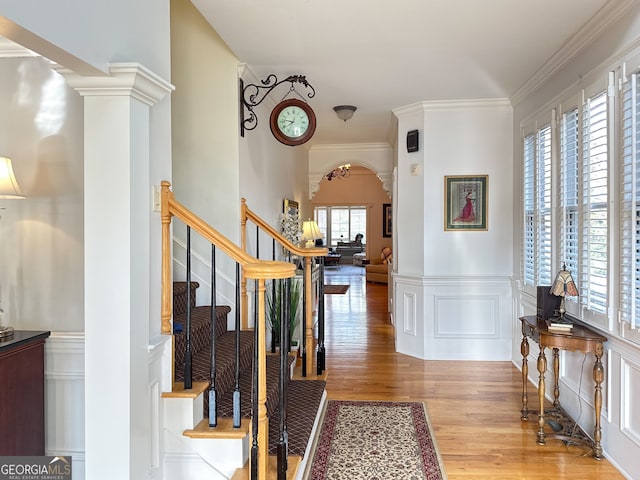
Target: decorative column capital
{"x":132,"y":79}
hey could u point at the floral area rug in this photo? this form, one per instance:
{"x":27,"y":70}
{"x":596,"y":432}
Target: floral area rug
{"x":376,"y":441}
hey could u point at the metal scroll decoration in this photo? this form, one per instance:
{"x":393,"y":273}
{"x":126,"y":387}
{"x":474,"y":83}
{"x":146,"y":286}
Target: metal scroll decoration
{"x":252,"y":95}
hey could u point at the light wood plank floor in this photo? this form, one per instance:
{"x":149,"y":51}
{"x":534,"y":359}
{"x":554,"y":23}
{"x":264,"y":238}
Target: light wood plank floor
{"x":474,"y":407}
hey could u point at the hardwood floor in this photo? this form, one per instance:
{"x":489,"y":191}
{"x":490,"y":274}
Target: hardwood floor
{"x":474,"y":407}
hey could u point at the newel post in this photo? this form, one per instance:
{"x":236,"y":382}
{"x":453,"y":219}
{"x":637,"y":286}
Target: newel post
{"x":167,"y":297}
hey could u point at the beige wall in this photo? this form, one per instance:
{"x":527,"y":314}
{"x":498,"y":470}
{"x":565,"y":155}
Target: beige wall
{"x":362,"y":187}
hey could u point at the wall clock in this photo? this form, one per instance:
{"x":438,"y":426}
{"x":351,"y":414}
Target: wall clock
{"x":293,"y":122}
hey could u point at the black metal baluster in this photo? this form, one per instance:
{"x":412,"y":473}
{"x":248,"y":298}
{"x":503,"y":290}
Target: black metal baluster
{"x":236,"y":391}
{"x":273,"y":304}
{"x":303,"y":347}
{"x":321,"y":352}
{"x":283,"y":384}
{"x":213,"y":404}
{"x":188,"y":370}
{"x":254,"y":393}
{"x":257,"y":242}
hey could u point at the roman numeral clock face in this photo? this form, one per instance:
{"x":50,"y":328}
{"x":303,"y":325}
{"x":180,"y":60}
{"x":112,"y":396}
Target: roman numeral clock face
{"x":293,"y":122}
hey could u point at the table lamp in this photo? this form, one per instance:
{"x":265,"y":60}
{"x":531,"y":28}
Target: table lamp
{"x":564,"y":286}
{"x":310,"y":233}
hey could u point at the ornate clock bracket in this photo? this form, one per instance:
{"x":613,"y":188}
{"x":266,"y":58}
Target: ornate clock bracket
{"x":252,"y":95}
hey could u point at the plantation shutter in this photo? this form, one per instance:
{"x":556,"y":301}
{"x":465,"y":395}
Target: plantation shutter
{"x":569,"y":184}
{"x":528,"y":266}
{"x":594,"y":222}
{"x":629,"y":313}
{"x":543,"y":197}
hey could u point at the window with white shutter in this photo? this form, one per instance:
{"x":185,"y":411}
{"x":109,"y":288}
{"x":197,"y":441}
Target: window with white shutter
{"x":529,"y":234}
{"x":569,"y":187}
{"x":536,"y":259}
{"x":629,"y":307}
{"x":593,"y":263}
{"x":543,"y":198}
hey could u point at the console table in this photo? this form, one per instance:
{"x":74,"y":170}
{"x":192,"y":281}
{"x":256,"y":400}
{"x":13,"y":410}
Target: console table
{"x":22,"y":393}
{"x":581,"y":339}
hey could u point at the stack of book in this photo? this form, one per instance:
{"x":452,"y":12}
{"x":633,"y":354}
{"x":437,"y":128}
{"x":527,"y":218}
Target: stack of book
{"x":558,"y":325}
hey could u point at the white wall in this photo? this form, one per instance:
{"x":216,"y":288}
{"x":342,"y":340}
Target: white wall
{"x":41,"y":279}
{"x":452,"y":288}
{"x":204,"y":143}
{"x":620,"y":420}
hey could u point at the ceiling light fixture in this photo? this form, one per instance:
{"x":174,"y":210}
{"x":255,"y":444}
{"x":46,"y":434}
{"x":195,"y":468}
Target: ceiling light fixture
{"x":344,"y":112}
{"x":340,"y":172}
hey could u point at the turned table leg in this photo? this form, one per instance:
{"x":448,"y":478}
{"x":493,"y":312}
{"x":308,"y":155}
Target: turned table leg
{"x":556,"y":377}
{"x":542,"y":367}
{"x":598,"y":377}
{"x":524,"y":349}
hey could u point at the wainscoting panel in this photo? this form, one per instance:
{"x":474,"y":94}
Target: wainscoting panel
{"x":467,"y":317}
{"x":409,"y":305}
{"x":630,"y":414}
{"x":64,"y":398}
{"x":409,"y":319}
{"x":453,"y":318}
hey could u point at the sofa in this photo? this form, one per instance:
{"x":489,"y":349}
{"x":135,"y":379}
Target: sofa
{"x":347,"y":249}
{"x":378,"y":268}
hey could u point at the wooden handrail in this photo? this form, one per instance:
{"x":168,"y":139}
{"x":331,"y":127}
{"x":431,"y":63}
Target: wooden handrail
{"x":251,"y":267}
{"x":307,"y":254}
{"x":247,"y":214}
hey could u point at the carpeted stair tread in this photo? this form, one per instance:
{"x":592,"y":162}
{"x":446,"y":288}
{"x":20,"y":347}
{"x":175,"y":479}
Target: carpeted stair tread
{"x":225,"y":401}
{"x":200,"y":330}
{"x":303,"y":403}
{"x":180,"y":296}
{"x":225,"y":361}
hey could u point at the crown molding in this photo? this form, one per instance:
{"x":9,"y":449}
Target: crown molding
{"x":346,"y":147}
{"x":9,"y":49}
{"x":462,"y":104}
{"x":611,"y":12}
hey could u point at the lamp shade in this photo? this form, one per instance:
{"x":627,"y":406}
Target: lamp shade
{"x":564,"y":286}
{"x":9,"y":187}
{"x":310,"y":232}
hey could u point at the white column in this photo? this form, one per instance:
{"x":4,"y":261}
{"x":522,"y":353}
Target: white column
{"x":409,"y":236}
{"x":117,"y":233}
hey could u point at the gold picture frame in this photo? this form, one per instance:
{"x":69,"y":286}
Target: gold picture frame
{"x":465,"y":202}
{"x":291,"y":207}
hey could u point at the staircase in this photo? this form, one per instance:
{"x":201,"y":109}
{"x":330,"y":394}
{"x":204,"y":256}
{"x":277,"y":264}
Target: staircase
{"x":258,"y":411}
{"x":305,"y":397}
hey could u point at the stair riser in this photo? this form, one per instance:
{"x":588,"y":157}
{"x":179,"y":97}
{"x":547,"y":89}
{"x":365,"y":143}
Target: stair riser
{"x":182,"y":413}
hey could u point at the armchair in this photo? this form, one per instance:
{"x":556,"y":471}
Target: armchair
{"x":378,"y":268}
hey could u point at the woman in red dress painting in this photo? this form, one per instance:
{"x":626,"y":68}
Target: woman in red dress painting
{"x":467,"y":214}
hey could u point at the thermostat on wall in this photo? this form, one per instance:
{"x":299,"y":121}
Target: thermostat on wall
{"x":412,"y":141}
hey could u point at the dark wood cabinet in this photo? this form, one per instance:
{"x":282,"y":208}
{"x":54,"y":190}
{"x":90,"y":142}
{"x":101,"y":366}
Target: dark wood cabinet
{"x":22,"y":393}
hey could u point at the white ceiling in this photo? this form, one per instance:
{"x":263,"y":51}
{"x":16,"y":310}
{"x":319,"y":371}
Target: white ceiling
{"x":384,"y":54}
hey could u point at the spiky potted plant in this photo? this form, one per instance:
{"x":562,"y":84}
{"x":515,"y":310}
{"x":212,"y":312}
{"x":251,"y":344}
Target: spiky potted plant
{"x":275,"y":304}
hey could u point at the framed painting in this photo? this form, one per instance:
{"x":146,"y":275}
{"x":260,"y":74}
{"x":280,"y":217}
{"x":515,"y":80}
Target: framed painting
{"x":465,"y":202}
{"x":387,"y":223}
{"x":290,"y":207}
